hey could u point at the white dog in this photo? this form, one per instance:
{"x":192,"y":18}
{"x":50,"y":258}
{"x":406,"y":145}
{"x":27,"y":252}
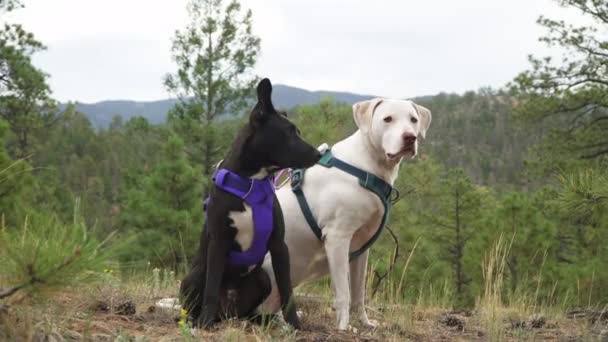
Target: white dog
{"x":347,"y":213}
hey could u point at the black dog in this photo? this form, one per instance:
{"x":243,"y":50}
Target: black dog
{"x":215,"y":288}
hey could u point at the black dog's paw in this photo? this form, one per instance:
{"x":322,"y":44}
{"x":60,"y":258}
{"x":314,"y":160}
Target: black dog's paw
{"x":204,"y":322}
{"x":293,"y":320}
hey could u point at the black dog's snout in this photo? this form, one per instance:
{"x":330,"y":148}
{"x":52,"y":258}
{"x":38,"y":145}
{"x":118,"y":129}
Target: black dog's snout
{"x":318,"y":156}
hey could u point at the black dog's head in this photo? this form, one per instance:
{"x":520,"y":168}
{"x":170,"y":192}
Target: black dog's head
{"x":274,"y":140}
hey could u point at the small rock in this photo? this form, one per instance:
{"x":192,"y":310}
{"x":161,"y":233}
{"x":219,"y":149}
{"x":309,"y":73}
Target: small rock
{"x":518,"y":324}
{"x":126,"y":308}
{"x":453,"y":321}
{"x":100,"y":306}
{"x":599,"y":316}
{"x":537,"y":321}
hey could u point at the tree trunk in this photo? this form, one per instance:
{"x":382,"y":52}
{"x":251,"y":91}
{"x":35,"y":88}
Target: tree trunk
{"x":459,"y":251}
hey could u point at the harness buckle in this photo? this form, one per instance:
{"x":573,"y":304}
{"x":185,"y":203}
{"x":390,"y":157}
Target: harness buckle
{"x":297,"y":178}
{"x":326,"y":159}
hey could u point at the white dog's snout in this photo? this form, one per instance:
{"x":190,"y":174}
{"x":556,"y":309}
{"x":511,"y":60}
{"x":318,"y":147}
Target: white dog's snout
{"x":323,"y":147}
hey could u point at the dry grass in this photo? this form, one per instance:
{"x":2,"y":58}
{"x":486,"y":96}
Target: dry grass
{"x":122,"y":310}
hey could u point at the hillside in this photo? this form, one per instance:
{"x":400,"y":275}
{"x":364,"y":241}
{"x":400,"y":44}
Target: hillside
{"x":473,"y":131}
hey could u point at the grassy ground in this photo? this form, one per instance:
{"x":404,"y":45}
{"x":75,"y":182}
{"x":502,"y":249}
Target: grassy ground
{"x":123,"y":310}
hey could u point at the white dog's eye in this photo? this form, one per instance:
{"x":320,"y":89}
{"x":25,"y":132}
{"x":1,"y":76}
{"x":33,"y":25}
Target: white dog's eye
{"x":388,"y":119}
{"x":414,"y":120}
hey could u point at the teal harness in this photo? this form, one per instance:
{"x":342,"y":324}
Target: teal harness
{"x":367,"y":180}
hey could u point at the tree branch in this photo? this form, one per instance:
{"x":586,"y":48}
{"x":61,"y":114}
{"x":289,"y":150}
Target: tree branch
{"x":595,"y":155}
{"x":378,"y":277}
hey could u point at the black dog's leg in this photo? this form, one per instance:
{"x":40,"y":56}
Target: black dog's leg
{"x":280,"y":264}
{"x":252,"y":291}
{"x":216,"y":260}
{"x":191,"y":291}
{"x":193,"y":285}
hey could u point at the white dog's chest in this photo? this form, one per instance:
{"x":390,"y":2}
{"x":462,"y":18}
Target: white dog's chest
{"x":242,"y":221}
{"x":365,"y":233}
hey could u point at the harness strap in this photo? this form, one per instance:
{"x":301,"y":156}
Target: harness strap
{"x":367,"y":180}
{"x":297,"y":178}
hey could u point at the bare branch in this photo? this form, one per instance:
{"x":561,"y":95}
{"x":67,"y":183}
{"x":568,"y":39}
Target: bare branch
{"x":595,"y":155}
{"x":380,"y":277}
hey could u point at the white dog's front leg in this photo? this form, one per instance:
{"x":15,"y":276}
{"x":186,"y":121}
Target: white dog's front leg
{"x":358,"y":272}
{"x":336,"y":248}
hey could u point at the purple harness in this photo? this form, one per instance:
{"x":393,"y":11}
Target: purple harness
{"x":258,"y":194}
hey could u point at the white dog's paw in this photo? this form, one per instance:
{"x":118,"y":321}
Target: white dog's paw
{"x":363,"y":319}
{"x":343,"y":319}
{"x":369,"y":323}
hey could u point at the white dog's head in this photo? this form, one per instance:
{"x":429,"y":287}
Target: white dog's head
{"x":392,"y":126}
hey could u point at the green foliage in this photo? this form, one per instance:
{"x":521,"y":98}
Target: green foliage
{"x":46,"y":254}
{"x":476,"y":132}
{"x":584,"y":194}
{"x":582,"y":199}
{"x":569,"y":96}
{"x":165,"y":211}
{"x":16,"y":182}
{"x":327,"y":121}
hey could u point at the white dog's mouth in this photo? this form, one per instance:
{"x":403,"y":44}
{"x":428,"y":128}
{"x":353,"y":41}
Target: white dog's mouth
{"x":405,"y":151}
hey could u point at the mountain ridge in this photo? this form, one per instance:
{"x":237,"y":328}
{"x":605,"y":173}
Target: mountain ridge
{"x":284,"y":96}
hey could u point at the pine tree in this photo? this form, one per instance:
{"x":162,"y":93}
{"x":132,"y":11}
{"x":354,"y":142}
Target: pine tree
{"x":166,"y":212}
{"x":214,"y":54}
{"x":455,"y":222}
{"x":25,"y":101}
{"x":569,"y":96}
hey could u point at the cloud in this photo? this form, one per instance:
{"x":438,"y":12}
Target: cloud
{"x":121,"y":49}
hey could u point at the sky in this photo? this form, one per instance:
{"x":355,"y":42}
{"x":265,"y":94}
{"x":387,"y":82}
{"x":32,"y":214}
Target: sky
{"x":115,"y":49}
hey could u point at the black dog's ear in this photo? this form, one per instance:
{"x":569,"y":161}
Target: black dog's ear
{"x":264,"y":107}
{"x":265,"y":91}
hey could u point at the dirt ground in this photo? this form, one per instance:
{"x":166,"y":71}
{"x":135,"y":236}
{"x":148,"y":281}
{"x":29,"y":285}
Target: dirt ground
{"x":80,"y":316}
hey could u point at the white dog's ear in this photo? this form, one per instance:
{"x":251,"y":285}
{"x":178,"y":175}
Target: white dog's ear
{"x":425,"y":119}
{"x":363,"y":112}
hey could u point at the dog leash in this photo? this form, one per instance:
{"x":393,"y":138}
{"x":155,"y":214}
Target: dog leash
{"x":367,"y":180}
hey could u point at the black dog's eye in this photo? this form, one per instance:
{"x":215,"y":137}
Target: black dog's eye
{"x":414,"y":120}
{"x":295,"y":130}
{"x":388,"y":119}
